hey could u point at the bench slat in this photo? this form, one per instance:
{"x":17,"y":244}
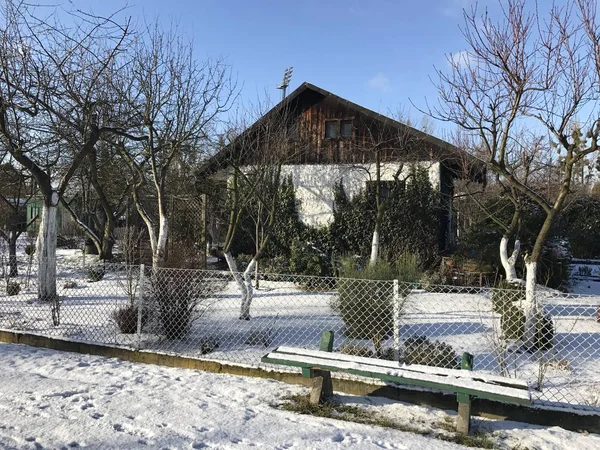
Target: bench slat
{"x":399,"y":375}
{"x":441,"y":371}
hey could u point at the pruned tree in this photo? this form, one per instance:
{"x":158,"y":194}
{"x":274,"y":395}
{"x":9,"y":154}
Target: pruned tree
{"x":526,"y":158}
{"x":178,"y":102}
{"x":99,"y":196}
{"x":254,"y":159}
{"x":52,"y":109}
{"x":16,"y":189}
{"x":528,"y":69}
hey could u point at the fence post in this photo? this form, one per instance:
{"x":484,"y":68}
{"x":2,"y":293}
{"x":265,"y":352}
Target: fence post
{"x":396,"y":307}
{"x":140,"y":305}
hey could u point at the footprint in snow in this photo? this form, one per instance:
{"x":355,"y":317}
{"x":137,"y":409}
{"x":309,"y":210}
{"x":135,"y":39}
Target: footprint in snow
{"x":338,"y":437}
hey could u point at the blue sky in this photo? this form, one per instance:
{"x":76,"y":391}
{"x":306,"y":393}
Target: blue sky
{"x":380,"y":54}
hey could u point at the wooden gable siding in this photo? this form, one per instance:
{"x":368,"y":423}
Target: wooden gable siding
{"x":311,"y":147}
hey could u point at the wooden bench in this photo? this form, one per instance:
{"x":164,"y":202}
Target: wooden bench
{"x":318,"y":365}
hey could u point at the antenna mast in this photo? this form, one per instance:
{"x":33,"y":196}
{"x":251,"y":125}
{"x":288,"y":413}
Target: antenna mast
{"x":287,"y":76}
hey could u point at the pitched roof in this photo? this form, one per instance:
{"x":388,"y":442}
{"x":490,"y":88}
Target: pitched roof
{"x":310,"y":94}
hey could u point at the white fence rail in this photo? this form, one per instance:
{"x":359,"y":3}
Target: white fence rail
{"x":196,"y":313}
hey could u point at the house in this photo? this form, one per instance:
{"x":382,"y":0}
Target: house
{"x":64,"y":222}
{"x":324,"y":138}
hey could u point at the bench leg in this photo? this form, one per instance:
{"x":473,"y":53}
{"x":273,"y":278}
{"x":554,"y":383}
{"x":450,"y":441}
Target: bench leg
{"x":463,"y":421}
{"x":322,"y":387}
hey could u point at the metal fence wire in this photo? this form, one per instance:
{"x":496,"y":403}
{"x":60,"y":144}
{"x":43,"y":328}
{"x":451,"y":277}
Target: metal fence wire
{"x":199,"y":313}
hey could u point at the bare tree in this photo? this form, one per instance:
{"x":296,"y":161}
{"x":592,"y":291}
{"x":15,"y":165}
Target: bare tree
{"x":52,"y":111}
{"x":527,"y":70}
{"x":254,"y":159}
{"x":178,"y":102}
{"x":16,"y":189}
{"x":99,"y":196}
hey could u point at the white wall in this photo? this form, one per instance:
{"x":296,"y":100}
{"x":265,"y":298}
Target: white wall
{"x":314,"y":184}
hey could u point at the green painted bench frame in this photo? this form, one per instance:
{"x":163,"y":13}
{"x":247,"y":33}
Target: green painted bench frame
{"x":507,"y":390}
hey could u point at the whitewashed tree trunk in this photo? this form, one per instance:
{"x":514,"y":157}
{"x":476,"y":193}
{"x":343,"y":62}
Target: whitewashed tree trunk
{"x":159,"y":252}
{"x":374,"y":246}
{"x":509,"y":263}
{"x":247,"y":300}
{"x":531,"y":307}
{"x":244,"y":283}
{"x":46,"y":251}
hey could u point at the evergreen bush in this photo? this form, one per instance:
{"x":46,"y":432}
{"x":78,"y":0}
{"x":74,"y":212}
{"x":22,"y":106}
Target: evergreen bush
{"x":506,"y":301}
{"x":420,"y":350}
{"x":365,"y":301}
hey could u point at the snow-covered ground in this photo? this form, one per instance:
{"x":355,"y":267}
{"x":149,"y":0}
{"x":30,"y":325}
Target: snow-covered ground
{"x":52,"y":399}
{"x":285,"y":313}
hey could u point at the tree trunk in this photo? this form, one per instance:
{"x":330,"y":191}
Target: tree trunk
{"x":531,"y":307}
{"x":374,"y":246}
{"x":46,"y":251}
{"x":12,"y":253}
{"x":244,"y":283}
{"x":509,"y":263}
{"x":160,"y":251}
{"x":108,"y":239}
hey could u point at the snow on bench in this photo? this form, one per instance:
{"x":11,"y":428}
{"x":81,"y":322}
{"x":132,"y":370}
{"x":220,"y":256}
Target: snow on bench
{"x":464,"y":383}
{"x":451,"y":381}
{"x":441,"y":371}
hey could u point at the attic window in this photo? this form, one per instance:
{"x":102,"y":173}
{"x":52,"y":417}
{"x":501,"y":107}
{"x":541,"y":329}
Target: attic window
{"x":331,"y":129}
{"x":346,"y":129}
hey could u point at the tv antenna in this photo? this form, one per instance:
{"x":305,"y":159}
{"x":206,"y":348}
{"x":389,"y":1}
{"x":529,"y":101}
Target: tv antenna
{"x":287,"y":76}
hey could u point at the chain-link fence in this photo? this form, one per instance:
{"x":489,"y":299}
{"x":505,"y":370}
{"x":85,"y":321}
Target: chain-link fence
{"x":552,"y":342}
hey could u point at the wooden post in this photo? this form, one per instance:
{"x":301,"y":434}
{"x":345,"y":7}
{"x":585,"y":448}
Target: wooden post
{"x":322,"y":387}
{"x":463,"y":421}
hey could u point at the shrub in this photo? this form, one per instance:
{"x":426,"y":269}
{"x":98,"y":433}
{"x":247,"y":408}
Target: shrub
{"x":409,"y":267}
{"x":356,"y":350}
{"x":95,"y":273}
{"x":429,"y":280}
{"x":420,"y":350}
{"x":411,"y":221}
{"x":208,"y":345}
{"x":13,"y":288}
{"x":545,"y":335}
{"x":127,"y":318}
{"x":260,"y":336}
{"x":506,"y":301}
{"x":365,"y":301}
{"x":174,"y":298}
{"x":29,"y":249}
{"x":181,"y":301}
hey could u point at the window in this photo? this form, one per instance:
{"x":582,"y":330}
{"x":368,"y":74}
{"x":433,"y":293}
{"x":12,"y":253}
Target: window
{"x":386,"y":188}
{"x":346,"y":129}
{"x":331,"y":129}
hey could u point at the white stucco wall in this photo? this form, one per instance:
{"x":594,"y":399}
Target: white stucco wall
{"x":314,"y":184}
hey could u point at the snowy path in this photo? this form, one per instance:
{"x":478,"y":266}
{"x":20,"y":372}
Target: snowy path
{"x":50,"y":399}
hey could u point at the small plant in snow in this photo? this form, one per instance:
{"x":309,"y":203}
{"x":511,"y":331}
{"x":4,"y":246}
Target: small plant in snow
{"x":420,"y":350}
{"x":95,"y":273}
{"x":13,"y":288}
{"x":126,"y":318}
{"x":356,"y":350}
{"x":258,"y":336}
{"x":208,"y":345}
